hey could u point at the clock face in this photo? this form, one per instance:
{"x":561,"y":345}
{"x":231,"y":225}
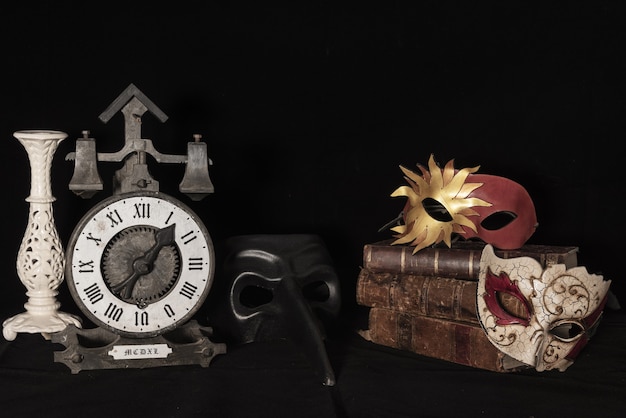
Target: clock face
{"x":139,"y":264}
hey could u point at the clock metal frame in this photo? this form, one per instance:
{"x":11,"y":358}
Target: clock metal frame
{"x":140,"y":263}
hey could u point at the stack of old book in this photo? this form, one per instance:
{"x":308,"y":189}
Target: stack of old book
{"x":426,"y":302}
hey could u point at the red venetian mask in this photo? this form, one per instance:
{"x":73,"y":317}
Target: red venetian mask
{"x":442,"y":202}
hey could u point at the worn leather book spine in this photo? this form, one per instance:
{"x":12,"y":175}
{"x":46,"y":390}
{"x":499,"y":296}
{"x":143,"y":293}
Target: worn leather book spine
{"x":461,"y":261}
{"x":438,"y":297}
{"x":452,"y":341}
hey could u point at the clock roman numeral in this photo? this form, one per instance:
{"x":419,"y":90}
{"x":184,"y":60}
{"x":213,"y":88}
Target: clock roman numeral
{"x":96,"y":240}
{"x":114,"y":312}
{"x":93,"y":292}
{"x":142,"y":210}
{"x":188,"y":237}
{"x":85,"y":266}
{"x":188,"y":290}
{"x":168,"y":310}
{"x":114,"y":217}
{"x":141,"y":318}
{"x":195,"y":263}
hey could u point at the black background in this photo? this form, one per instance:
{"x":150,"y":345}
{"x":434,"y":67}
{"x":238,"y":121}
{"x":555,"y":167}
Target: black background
{"x":308,"y":110}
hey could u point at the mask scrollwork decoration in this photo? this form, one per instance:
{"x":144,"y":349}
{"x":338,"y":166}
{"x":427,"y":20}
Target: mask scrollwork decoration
{"x":556,"y":310}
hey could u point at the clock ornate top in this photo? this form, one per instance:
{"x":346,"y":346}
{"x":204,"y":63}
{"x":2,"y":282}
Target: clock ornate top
{"x":134,"y":175}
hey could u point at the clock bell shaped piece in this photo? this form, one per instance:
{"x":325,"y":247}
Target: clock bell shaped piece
{"x":446,"y":202}
{"x":134,"y":175}
{"x":278,"y":287}
{"x":140,"y":263}
{"x":559,"y":309}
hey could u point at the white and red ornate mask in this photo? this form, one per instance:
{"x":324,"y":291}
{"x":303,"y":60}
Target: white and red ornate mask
{"x":556,"y":310}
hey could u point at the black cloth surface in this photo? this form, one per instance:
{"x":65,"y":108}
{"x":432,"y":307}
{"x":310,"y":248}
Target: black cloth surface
{"x":273,"y":379}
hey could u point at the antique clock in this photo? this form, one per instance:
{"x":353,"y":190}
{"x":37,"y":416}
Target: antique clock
{"x":140,"y":263}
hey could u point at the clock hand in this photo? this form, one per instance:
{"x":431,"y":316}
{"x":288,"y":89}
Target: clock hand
{"x":144,"y":264}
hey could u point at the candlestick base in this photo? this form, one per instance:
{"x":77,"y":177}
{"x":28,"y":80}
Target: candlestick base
{"x":34,"y":323}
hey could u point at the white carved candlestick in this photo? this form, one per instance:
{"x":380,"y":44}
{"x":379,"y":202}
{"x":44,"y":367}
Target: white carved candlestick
{"x":40,"y":259}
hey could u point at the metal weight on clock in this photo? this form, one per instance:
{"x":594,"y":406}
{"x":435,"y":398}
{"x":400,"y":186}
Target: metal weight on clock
{"x":140,"y":264}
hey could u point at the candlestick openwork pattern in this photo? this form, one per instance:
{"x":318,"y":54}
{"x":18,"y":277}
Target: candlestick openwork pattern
{"x":41,"y":259}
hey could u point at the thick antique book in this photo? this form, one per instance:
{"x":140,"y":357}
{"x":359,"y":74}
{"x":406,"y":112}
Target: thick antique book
{"x":437,"y":297}
{"x":460,"y":261}
{"x":453,"y":341}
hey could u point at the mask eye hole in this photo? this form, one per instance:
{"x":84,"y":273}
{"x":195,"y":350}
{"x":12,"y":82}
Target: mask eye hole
{"x":566,"y":330}
{"x":498,"y":220}
{"x":513,"y":306}
{"x":317,"y":291}
{"x":255,"y":296}
{"x":436,"y":210}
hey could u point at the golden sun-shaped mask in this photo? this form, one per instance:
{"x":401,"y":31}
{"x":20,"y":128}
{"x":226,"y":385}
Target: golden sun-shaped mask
{"x":438,"y":204}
